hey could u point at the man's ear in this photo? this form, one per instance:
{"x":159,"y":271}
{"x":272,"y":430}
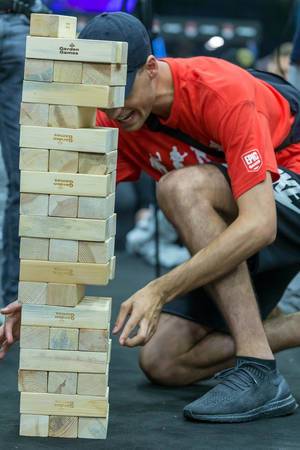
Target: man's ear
{"x":152,"y":66}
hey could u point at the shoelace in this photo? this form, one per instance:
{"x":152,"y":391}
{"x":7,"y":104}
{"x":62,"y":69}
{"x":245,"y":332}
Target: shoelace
{"x":240,"y":377}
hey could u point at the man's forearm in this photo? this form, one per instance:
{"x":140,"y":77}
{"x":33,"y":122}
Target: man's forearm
{"x":236,"y":244}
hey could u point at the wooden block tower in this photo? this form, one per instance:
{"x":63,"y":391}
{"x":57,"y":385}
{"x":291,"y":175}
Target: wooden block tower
{"x":67,"y":227}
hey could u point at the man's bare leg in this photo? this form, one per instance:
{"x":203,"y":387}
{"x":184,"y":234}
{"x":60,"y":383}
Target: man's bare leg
{"x":183,"y":352}
{"x":199,"y":202}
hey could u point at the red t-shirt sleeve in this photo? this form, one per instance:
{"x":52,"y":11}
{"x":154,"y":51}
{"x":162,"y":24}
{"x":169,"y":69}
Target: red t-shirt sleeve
{"x":246,"y":140}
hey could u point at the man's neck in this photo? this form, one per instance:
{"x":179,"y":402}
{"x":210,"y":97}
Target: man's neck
{"x":164,"y":91}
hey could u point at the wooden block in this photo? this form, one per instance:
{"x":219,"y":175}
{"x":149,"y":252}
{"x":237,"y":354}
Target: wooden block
{"x":93,"y":340}
{"x":32,"y":381}
{"x":63,"y":426}
{"x":34,"y":159}
{"x":34,"y":425}
{"x":91,"y":313}
{"x":51,"y":25}
{"x":97,"y":164}
{"x":34,"y":204}
{"x":92,"y":428}
{"x":38,"y":70}
{"x":35,"y":293}
{"x":84,"y":50}
{"x":69,"y":361}
{"x":34,"y":114}
{"x":108,"y":74}
{"x":63,"y":161}
{"x":71,"y":116}
{"x":65,"y":183}
{"x":96,"y":252}
{"x":65,"y":294}
{"x":63,"y":205}
{"x":112,"y":268}
{"x":99,"y":140}
{"x":67,"y":228}
{"x":62,"y":383}
{"x":73,"y":94}
{"x":63,"y":250}
{"x":34,"y":337}
{"x":62,"y":272}
{"x":95,"y":207}
{"x":112,"y":182}
{"x":92,"y":383}
{"x":67,"y":72}
{"x":34,"y":248}
{"x":64,"y":339}
{"x":63,"y":405}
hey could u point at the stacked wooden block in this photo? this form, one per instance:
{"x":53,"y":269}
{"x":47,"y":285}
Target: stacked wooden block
{"x":67,"y":227}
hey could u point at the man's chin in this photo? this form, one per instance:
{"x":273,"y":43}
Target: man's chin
{"x":131,"y":127}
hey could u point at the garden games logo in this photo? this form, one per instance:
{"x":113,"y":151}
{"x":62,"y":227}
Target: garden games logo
{"x":252,"y":160}
{"x":71,"y":50}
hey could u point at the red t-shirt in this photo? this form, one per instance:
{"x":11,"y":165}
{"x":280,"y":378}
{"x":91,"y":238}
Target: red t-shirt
{"x":219,"y":105}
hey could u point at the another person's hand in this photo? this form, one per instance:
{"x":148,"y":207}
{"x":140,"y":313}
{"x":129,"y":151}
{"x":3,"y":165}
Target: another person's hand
{"x":10,"y":330}
{"x":143,"y":309}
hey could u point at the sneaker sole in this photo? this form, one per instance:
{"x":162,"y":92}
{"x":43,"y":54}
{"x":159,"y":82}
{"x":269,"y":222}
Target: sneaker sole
{"x":276,"y":408}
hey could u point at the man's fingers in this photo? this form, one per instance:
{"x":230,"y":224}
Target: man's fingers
{"x":4,"y":349}
{"x":130,"y":325}
{"x":141,"y":337}
{"x":125,"y":309}
{"x":9,"y":331}
{"x":11,"y":308}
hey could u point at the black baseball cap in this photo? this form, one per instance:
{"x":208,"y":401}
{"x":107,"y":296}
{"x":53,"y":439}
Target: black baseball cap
{"x":119,"y":26}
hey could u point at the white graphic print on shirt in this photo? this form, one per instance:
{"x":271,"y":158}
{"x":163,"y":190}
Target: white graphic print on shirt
{"x":177,"y":158}
{"x":287,"y":191}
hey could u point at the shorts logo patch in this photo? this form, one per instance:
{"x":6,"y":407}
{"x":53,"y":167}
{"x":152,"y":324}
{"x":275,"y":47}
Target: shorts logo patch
{"x":252,"y":160}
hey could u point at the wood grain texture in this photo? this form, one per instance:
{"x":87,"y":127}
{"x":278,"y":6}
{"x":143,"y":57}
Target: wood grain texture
{"x":96,"y":207}
{"x":92,"y":383}
{"x":83,"y":50}
{"x":98,"y":140}
{"x":63,"y":205}
{"x":38,"y":70}
{"x":67,"y":228}
{"x":34,"y":114}
{"x":34,"y":337}
{"x":63,"y":250}
{"x":32,"y":381}
{"x":67,"y":72}
{"x":73,"y":94}
{"x":65,"y":272}
{"x":63,"y":161}
{"x":34,"y":425}
{"x":34,"y":248}
{"x":62,"y":383}
{"x":69,"y":361}
{"x":96,"y":164}
{"x":63,"y":426}
{"x":91,"y":312}
{"x":64,"y":339}
{"x":93,"y":428}
{"x":96,"y":252}
{"x":108,"y":74}
{"x":34,"y":204}
{"x":65,"y":294}
{"x":93,"y":340}
{"x":71,"y":116}
{"x":31,"y":292}
{"x":63,"y":405}
{"x":52,"y":25}
{"x":34,"y":159}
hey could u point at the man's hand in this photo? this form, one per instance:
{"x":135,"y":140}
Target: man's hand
{"x":10,"y":330}
{"x":143,"y":309}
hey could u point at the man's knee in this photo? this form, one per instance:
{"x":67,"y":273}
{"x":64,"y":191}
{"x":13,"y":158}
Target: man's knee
{"x":157,"y":367}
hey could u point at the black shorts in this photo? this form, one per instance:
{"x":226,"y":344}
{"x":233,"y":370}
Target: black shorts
{"x":271,"y":269}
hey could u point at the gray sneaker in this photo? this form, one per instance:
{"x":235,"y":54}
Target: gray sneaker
{"x":249,"y":391}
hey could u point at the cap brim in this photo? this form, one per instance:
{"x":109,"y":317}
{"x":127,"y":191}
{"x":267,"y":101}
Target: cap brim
{"x":129,"y":82}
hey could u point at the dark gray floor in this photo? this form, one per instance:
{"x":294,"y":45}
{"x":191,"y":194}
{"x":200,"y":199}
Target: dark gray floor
{"x":147,"y":417}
